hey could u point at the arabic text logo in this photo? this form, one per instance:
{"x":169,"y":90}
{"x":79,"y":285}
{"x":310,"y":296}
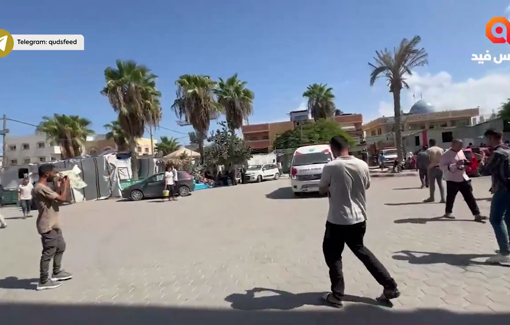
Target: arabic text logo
{"x":502,"y":34}
{"x":6,"y":43}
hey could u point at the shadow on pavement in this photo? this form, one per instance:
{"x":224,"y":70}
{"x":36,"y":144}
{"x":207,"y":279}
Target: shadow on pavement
{"x":15,"y":283}
{"x":409,"y":203}
{"x":440,"y":258}
{"x":422,"y":221}
{"x":407,"y":188}
{"x":53,"y":314}
{"x":284,"y":300}
{"x":286,"y":193}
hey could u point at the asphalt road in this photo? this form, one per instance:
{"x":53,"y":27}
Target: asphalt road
{"x":230,"y":255}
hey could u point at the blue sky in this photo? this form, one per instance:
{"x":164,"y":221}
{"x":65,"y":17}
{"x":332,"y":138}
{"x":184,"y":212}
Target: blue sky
{"x":278,"y":47}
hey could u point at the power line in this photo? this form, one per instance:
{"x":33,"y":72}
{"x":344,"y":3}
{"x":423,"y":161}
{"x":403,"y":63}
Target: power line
{"x":21,"y":122}
{"x":178,"y":132}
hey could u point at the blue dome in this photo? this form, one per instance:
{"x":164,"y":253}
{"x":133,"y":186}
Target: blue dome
{"x":422,"y":107}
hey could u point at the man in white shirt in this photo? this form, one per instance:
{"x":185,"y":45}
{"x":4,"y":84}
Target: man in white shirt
{"x":169,"y":182}
{"x":25,"y":197}
{"x":176,"y":178}
{"x":345,"y":180}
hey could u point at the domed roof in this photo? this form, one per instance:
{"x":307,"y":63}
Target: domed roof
{"x":422,"y":107}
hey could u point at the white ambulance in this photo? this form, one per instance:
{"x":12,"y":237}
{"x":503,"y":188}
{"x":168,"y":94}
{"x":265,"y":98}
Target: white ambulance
{"x":306,"y":167}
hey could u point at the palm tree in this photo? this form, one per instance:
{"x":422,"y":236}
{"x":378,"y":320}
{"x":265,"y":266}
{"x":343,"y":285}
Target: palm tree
{"x":167,"y":145}
{"x":236,"y":100}
{"x":320,"y":101}
{"x":395,"y":66}
{"x":117,"y":134}
{"x":132,"y":93}
{"x":68,"y":131}
{"x":196,"y":104}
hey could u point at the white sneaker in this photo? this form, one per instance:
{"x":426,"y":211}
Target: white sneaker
{"x":498,"y":259}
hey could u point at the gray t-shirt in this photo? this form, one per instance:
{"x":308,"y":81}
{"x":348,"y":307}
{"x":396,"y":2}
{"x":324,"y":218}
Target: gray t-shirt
{"x":346,"y":179}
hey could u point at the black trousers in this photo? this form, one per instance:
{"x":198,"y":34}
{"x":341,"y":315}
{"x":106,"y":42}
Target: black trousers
{"x":171,"y":190}
{"x":424,"y":176}
{"x":465,"y":188}
{"x":54,"y":245}
{"x":335,"y":239}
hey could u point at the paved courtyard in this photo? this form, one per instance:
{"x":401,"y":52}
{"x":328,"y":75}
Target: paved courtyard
{"x":251,"y":254}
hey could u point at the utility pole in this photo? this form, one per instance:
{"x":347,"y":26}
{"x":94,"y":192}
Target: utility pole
{"x":4,"y":132}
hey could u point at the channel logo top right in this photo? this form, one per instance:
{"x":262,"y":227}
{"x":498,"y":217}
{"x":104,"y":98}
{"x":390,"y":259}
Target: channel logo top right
{"x":497,"y":30}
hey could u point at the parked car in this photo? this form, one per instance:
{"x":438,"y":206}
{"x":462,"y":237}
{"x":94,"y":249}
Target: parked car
{"x":472,"y":169}
{"x":258,"y":173}
{"x":152,"y":187}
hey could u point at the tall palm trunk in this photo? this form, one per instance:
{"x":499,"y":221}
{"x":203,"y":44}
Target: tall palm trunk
{"x":69,"y":146}
{"x":134,"y":158}
{"x":396,"y":127}
{"x":201,"y":139}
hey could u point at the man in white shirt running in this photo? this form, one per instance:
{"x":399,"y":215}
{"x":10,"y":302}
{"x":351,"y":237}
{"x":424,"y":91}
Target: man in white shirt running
{"x":345,"y":180}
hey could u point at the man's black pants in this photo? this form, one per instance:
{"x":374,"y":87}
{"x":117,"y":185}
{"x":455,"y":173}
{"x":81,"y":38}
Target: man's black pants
{"x":335,"y":238}
{"x":54,"y":245}
{"x":465,"y":188}
{"x":424,"y":176}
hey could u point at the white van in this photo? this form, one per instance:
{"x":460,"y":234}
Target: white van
{"x":306,"y":167}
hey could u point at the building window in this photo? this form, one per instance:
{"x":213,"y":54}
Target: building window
{"x":372,"y":133}
{"x":53,"y":159}
{"x":42,"y":159}
{"x":146,"y":150}
{"x":26,"y":161}
{"x":453,"y":123}
{"x":417,"y":140}
{"x":41,"y":144}
{"x":25,"y":146}
{"x":12,"y":147}
{"x":447,"y":137}
{"x":139,"y":149}
{"x":14,"y":162}
{"x":379,"y":131}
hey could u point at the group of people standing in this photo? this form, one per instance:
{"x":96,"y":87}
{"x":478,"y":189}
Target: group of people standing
{"x":435,"y":165}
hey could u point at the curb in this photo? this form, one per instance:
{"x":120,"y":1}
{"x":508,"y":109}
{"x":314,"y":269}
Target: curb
{"x":394,"y":175}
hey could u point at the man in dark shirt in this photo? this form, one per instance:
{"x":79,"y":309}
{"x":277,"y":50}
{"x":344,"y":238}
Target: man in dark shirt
{"x":422,"y":163}
{"x":499,"y":167}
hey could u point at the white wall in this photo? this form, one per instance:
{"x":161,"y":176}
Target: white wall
{"x":39,"y":150}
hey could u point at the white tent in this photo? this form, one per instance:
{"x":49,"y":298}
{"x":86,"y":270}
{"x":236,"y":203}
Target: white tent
{"x":189,"y":153}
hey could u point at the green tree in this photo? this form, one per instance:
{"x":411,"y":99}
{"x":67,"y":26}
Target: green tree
{"x":319,"y":132}
{"x":236,"y":100}
{"x":132,"y":93}
{"x":226,"y":148}
{"x":504,"y":111}
{"x":167,"y":145}
{"x":195,"y":103}
{"x":117,"y":134}
{"x":394,"y":67}
{"x":320,"y":101}
{"x":68,"y":131}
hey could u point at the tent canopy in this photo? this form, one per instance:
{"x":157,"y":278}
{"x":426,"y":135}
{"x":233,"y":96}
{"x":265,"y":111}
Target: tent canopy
{"x":176,"y":154}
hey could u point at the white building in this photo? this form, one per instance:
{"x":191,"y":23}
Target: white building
{"x":33,"y":148}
